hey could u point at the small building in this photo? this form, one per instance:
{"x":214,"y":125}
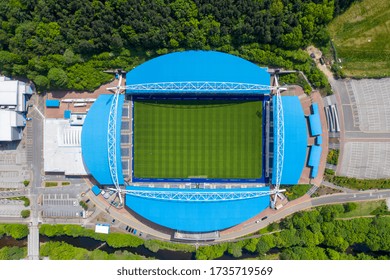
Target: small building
{"x":67,"y":114}
{"x":102,"y":228}
{"x":52,"y":103}
{"x":13,"y":98}
{"x":11,"y":125}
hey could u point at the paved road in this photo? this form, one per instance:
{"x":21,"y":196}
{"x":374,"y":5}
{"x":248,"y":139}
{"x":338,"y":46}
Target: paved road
{"x":37,"y":161}
{"x":12,"y":220}
{"x":351,"y":197}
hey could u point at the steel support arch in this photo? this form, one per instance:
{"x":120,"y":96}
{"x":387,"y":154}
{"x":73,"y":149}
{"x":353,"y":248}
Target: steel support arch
{"x":196,"y":195}
{"x":112,"y":141}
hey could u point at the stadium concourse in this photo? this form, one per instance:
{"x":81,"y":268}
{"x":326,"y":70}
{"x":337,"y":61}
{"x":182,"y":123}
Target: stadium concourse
{"x":191,"y":191}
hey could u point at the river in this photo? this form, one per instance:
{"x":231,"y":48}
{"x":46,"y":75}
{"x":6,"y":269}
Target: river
{"x":7,"y":241}
{"x":92,"y":244}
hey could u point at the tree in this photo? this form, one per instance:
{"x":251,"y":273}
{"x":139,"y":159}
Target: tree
{"x":152,"y":246}
{"x":41,"y":82}
{"x":350,"y":206}
{"x":13,"y":253}
{"x":250,"y":244}
{"x":57,"y":78}
{"x":25,"y":214}
{"x":235,"y":249}
{"x":118,"y":240}
{"x":211,"y":252}
{"x":266,"y":242}
{"x":16,"y":231}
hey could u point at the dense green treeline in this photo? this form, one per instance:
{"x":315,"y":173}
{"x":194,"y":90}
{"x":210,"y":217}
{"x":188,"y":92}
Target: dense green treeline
{"x":16,"y":231}
{"x":64,"y":251}
{"x":115,"y":240}
{"x":316,"y":234}
{"x":321,"y":233}
{"x":66,"y":44}
{"x":13,"y":253}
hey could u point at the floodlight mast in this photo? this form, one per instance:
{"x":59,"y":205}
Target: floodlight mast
{"x":111,"y":139}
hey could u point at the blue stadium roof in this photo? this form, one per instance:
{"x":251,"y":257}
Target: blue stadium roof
{"x":207,"y":72}
{"x":295,"y":140}
{"x":94,"y":140}
{"x":197,"y":216}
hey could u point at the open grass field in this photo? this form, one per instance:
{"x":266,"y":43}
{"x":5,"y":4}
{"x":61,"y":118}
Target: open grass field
{"x":364,"y":209}
{"x":193,"y":138}
{"x":362,"y":38}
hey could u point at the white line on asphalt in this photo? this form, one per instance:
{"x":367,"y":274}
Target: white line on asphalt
{"x":36,"y":108}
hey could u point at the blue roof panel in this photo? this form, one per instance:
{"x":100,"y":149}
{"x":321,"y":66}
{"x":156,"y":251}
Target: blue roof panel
{"x":315,"y":122}
{"x":198,"y":66}
{"x":315,"y":156}
{"x":67,"y":114}
{"x":94,"y":140}
{"x":295,"y":140}
{"x":193,"y":216}
{"x":96,"y":190}
{"x":52,"y":103}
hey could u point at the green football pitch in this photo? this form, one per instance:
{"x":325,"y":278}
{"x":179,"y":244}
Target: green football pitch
{"x":198,"y":139}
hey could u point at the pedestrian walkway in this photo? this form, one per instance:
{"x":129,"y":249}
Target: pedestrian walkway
{"x":333,"y":186}
{"x":312,"y":190}
{"x":33,"y":243}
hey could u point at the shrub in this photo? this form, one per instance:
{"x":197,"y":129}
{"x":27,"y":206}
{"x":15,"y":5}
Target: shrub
{"x":333,"y":157}
{"x":84,"y":205}
{"x":51,"y":184}
{"x":350,"y":206}
{"x":329,"y":171}
{"x":25,"y":214}
{"x":152,"y":246}
{"x":26,"y":183}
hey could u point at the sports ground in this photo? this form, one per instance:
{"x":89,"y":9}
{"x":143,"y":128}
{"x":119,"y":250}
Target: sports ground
{"x":198,"y":139}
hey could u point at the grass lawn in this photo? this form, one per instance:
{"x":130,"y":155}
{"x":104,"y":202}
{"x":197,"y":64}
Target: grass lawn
{"x":363,"y":209}
{"x":193,"y":138}
{"x":296,"y":191}
{"x":361,"y":37}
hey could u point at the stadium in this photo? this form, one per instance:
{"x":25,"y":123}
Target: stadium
{"x":198,"y":141}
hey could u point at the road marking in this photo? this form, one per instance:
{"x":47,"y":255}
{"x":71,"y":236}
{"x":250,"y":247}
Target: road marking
{"x":36,"y":108}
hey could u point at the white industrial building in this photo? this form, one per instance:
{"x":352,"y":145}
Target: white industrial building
{"x":62,"y":148}
{"x":13,"y":98}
